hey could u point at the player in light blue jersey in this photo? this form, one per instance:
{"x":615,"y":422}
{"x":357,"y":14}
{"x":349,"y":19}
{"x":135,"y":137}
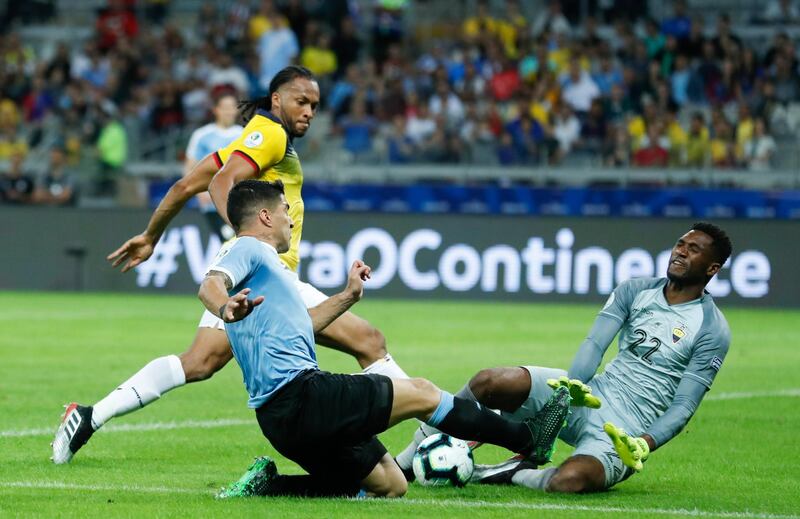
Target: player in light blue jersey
{"x":327,"y":422}
{"x":672,"y":342}
{"x":208,"y":139}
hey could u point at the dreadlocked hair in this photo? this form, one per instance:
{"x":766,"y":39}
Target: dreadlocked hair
{"x":286,"y":75}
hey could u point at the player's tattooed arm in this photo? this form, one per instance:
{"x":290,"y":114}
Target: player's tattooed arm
{"x":214,"y":295}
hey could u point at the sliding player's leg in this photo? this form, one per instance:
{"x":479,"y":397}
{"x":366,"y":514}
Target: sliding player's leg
{"x":208,"y":353}
{"x":533,"y":436}
{"x":505,"y":389}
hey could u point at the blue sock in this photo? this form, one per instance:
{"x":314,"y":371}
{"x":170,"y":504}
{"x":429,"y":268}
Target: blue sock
{"x":442,"y":410}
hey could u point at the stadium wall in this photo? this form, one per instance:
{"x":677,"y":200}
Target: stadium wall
{"x":413,"y":255}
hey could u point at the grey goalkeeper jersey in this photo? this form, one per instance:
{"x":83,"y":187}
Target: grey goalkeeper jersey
{"x":668,"y":356}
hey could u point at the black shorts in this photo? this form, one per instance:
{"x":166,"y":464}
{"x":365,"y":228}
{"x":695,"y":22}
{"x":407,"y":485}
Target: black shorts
{"x":327,"y":423}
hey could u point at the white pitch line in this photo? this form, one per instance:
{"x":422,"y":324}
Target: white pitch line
{"x":155,"y":426}
{"x":429,"y":503}
{"x":754,"y":394}
{"x":455,"y":503}
{"x":55,"y":485}
{"x":231,"y":422}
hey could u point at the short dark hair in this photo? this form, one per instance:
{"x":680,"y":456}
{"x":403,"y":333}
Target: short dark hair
{"x":285,"y":75}
{"x":720,"y":241}
{"x":248,"y":196}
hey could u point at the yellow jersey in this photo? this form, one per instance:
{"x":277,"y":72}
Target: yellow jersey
{"x":266,"y":145}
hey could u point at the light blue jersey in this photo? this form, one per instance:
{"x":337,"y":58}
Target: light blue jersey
{"x":659,"y":345}
{"x":275,"y":343}
{"x":210,"y":138}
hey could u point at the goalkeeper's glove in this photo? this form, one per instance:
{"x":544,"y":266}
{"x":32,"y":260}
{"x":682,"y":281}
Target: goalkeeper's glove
{"x":581,"y":393}
{"x":632,"y":450}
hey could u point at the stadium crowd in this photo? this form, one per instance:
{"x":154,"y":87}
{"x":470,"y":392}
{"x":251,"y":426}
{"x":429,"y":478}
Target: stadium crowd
{"x":495,"y":86}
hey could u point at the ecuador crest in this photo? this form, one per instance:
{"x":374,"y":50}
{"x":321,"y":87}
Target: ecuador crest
{"x":678,"y":333}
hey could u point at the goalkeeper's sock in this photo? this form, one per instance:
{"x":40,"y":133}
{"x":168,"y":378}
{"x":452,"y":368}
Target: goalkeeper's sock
{"x":386,"y":366}
{"x":467,"y":420}
{"x":406,"y":456}
{"x":146,"y":386}
{"x":536,"y":479}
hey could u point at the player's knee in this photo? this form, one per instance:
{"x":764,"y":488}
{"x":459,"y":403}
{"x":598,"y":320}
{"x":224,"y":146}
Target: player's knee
{"x":428,"y":395}
{"x":373,"y":344}
{"x":569,"y":480}
{"x":486,"y":383}
{"x":199,"y":367}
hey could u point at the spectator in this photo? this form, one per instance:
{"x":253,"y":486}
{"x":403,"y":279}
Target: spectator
{"x":721,"y":147}
{"x":652,"y":154}
{"x":697,"y":142}
{"x":346,"y":44}
{"x":358,"y":128}
{"x":400,"y":148}
{"x":781,"y":12}
{"x":112,"y":149}
{"x":420,"y":125}
{"x":298,"y":18}
{"x":578,"y":89}
{"x":12,"y":143}
{"x":745,"y":126}
{"x":692,"y":45}
{"x":260,"y":22}
{"x":56,"y":187}
{"x":618,"y":152}
{"x":551,"y":20}
{"x":726,"y":43}
{"x":679,"y":25}
{"x":760,"y":148}
{"x":679,"y":80}
{"x":277,"y":47}
{"x":226,"y":72}
{"x":654,"y":41}
{"x":319,"y":58}
{"x":607,"y":75}
{"x":594,"y":130}
{"x":446,"y":103}
{"x":527,"y":135}
{"x":566,"y":130}
{"x":677,"y":139}
{"x":115,"y":22}
{"x":16,"y":187}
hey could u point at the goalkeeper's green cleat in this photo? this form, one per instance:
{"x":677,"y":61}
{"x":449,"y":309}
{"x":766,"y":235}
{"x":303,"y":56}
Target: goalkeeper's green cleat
{"x":581,"y":393}
{"x":632,"y":451}
{"x":254,"y":482}
{"x":545,"y":426}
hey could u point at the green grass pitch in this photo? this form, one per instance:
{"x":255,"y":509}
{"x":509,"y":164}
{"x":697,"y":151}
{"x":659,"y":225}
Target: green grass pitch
{"x":737,"y":458}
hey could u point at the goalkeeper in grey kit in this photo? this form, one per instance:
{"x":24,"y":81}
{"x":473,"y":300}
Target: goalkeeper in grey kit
{"x":672,"y":342}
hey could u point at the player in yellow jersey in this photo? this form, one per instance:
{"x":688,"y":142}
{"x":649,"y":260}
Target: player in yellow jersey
{"x":263,"y":151}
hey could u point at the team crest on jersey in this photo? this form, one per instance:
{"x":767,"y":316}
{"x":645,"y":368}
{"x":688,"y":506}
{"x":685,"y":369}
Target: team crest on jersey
{"x":254,"y":140}
{"x":678,"y":333}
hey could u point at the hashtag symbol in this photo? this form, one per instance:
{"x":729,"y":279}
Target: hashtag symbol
{"x":161,"y":264}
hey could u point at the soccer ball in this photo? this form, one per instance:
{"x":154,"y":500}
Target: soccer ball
{"x":443,"y":460}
